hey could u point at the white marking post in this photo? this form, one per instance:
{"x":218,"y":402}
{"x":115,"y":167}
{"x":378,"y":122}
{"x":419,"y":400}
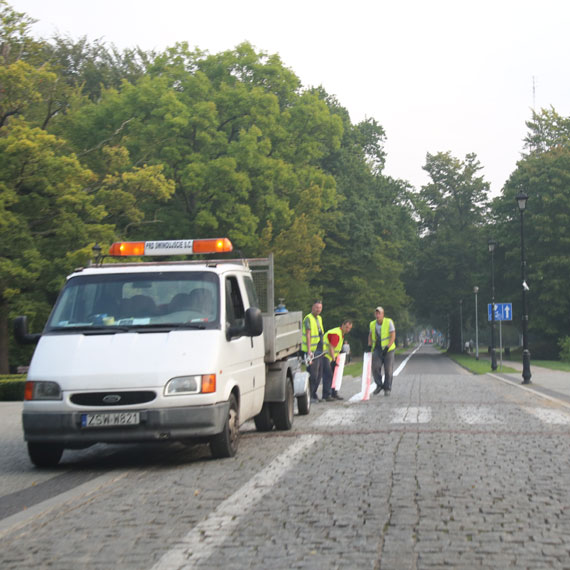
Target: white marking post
{"x":338,"y":371}
{"x":364,"y":393}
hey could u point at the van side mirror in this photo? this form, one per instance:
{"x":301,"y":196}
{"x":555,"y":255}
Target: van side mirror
{"x":21,"y":331}
{"x":252,"y":325}
{"x":253,"y":322}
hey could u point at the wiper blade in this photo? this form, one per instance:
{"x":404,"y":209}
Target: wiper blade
{"x":84,"y":329}
{"x":105,"y":330}
{"x":168,"y":327}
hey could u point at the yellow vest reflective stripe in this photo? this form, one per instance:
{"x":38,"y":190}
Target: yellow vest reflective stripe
{"x":326,"y":343}
{"x":385,"y":332}
{"x":316,"y":322}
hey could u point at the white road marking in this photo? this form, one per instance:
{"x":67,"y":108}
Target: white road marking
{"x":339,"y":416}
{"x":476,"y":415}
{"x":208,"y":535}
{"x":549,"y":416}
{"x":411,"y":415}
{"x":403,"y":364}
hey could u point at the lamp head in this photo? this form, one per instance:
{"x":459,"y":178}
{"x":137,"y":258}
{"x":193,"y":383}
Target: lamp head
{"x":492,"y":243}
{"x":521,"y":198}
{"x":96,"y":249}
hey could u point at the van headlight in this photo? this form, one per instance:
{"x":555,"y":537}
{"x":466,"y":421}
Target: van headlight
{"x":204,"y":384}
{"x":183,"y":385}
{"x":42,"y":390}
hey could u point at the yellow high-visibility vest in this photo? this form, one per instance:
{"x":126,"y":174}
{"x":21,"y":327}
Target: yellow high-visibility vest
{"x":316,"y":322}
{"x":385,"y":333}
{"x":338,"y":347}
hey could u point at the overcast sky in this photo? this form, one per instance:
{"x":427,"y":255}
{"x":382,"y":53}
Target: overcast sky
{"x":438,"y":75}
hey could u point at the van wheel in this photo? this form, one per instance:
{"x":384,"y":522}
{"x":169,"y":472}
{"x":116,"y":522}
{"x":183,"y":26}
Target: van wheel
{"x":44,"y":454}
{"x":282,"y":412}
{"x":225,"y":444}
{"x":304,"y":402}
{"x":263,"y":420}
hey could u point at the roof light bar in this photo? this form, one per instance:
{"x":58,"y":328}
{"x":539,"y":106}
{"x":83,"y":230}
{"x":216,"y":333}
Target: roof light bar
{"x":170,"y":247}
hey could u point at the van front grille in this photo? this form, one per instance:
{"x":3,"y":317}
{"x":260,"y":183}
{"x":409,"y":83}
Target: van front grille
{"x":112,"y":398}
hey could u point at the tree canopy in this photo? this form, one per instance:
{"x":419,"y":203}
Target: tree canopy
{"x":99,"y":144}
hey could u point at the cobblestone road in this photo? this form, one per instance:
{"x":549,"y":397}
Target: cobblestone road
{"x":451,"y":471}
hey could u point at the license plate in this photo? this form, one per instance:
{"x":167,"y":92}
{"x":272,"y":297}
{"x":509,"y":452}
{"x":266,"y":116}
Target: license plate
{"x":110,"y":420}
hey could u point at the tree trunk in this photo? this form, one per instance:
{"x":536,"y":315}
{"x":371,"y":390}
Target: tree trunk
{"x":455,"y":334}
{"x":4,"y":340}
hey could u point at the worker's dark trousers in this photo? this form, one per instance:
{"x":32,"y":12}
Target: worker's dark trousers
{"x":327,"y":378}
{"x":315,"y":371}
{"x":388,"y":362}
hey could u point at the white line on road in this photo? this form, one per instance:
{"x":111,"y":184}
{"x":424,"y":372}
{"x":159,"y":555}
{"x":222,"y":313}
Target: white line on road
{"x":206,"y":536}
{"x":411,"y":415}
{"x":477,"y":415}
{"x":549,"y":416}
{"x":336,"y":416}
{"x":401,"y":367}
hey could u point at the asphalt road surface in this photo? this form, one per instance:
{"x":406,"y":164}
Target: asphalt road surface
{"x":451,"y":471}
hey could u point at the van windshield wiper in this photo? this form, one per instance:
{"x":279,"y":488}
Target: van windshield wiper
{"x":159,"y":327}
{"x":90,"y":329}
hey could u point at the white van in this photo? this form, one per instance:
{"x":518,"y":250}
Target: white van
{"x":159,"y":351}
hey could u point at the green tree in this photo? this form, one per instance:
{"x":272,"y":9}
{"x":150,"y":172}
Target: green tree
{"x":452,"y":210}
{"x":52,"y":207}
{"x":47,"y":220}
{"x":544,"y":175}
{"x":240,"y":144}
{"x":367,"y":234}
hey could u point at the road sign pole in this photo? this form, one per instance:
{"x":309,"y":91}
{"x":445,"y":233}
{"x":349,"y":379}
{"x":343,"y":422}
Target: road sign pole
{"x":501,"y":342}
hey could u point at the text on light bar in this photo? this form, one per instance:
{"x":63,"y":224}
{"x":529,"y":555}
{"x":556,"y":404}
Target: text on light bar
{"x":170,"y":247}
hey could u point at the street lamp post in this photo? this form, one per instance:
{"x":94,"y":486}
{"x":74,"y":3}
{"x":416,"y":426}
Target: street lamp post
{"x":492,"y":243}
{"x":521,"y":199}
{"x":476,"y":290}
{"x":461,"y":321}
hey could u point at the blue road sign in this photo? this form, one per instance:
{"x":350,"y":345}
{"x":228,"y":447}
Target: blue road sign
{"x":503,"y":312}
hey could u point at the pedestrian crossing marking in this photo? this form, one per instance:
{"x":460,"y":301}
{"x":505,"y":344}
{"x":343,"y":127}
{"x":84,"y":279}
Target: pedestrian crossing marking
{"x":466,"y":415}
{"x":477,"y":415}
{"x":411,"y":415}
{"x":549,"y":416}
{"x":339,"y":416}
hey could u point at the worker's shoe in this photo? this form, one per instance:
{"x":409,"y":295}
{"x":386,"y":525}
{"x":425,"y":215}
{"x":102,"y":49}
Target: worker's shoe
{"x":338,"y":397}
{"x":377,"y":390}
{"x":387,"y":392}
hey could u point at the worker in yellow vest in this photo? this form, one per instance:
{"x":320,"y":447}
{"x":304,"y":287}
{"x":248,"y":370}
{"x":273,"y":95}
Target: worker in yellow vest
{"x":382,"y":341}
{"x":312,"y":346}
{"x":333,"y":341}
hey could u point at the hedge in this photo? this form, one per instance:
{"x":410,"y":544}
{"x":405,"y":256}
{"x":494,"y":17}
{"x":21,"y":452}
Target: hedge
{"x":12,"y":387}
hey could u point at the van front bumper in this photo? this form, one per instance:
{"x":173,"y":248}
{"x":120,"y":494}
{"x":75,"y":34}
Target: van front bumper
{"x":187,"y":423}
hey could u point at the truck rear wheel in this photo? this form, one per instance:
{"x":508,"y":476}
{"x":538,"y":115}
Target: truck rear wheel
{"x":282,"y":412}
{"x":263,"y":420}
{"x":304,"y":402}
{"x":44,"y":454}
{"x":225,"y":444}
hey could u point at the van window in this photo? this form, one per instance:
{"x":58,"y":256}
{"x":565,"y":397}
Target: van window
{"x":251,"y":293}
{"x":234,"y":303}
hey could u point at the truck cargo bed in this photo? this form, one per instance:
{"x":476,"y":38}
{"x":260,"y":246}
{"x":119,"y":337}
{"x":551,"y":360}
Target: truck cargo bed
{"x":282,"y":334}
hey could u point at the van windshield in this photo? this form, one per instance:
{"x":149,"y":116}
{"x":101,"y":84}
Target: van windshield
{"x":116,"y":302}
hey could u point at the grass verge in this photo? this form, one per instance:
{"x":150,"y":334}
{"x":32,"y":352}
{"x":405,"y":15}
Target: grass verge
{"x":482,"y":366}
